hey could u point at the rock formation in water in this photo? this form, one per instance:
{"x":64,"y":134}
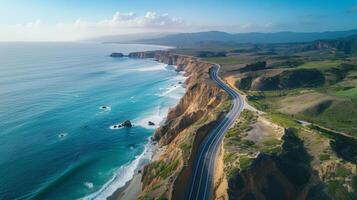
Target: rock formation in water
{"x":117,"y":55}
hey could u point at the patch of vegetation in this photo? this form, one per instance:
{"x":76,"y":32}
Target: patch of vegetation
{"x":290,"y":63}
{"x":254,"y":66}
{"x":270,"y":150}
{"x":349,"y":93}
{"x":159,"y":169}
{"x":245,"y":143}
{"x":167,"y":169}
{"x":245,"y":162}
{"x":163,"y":197}
{"x":284,"y":120}
{"x":246,"y":117}
{"x":354,"y":184}
{"x":227,"y":105}
{"x":324,"y":64}
{"x":270,"y":146}
{"x":249,"y":116}
{"x":324,"y":157}
{"x":272,"y":142}
{"x":341,"y":172}
{"x":257,"y":102}
{"x":208,"y":54}
{"x":232,"y":132}
{"x":336,"y":189}
{"x":226,"y":60}
{"x":228,"y":157}
{"x":233,"y":173}
{"x":301,"y":78}
{"x":244,"y":83}
{"x":345,"y":147}
{"x":186,"y":148}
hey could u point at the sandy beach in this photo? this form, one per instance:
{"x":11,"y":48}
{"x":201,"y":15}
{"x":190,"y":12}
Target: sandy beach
{"x":132,"y":188}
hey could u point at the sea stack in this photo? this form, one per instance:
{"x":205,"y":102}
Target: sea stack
{"x":116,"y":55}
{"x":126,"y":124}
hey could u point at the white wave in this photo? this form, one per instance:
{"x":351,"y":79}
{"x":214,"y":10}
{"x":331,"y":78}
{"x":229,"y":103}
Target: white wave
{"x":158,"y":67}
{"x":125,"y":173}
{"x":62,"y":135}
{"x":122,"y":175}
{"x":105,"y":108}
{"x":89,"y":185}
{"x":157,"y":116}
{"x":175,"y":95}
{"x":169,"y":90}
{"x":181,"y":77}
{"x":115,"y":126}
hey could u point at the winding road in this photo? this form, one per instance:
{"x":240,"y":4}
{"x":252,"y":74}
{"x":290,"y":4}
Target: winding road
{"x":201,"y":183}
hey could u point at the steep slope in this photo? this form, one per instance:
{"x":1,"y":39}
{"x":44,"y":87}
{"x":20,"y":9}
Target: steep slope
{"x":185,"y":127}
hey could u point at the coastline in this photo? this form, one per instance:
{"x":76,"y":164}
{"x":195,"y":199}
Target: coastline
{"x":207,"y":97}
{"x":132,"y":188}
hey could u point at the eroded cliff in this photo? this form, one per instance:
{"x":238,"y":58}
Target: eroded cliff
{"x":185,"y":127}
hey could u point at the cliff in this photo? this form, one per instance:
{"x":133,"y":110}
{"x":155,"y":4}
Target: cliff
{"x":185,"y":127}
{"x":265,"y":158}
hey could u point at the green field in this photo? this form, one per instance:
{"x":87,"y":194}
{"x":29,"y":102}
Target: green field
{"x":325,"y":64}
{"x":226,"y":60}
{"x":350,"y":93}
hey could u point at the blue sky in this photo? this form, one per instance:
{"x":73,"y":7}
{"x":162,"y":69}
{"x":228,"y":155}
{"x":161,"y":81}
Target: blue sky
{"x":86,"y":17}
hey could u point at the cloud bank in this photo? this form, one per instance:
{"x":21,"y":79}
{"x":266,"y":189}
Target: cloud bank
{"x":120,"y":23}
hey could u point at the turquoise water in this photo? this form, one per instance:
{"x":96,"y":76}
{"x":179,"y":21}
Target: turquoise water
{"x":55,"y":140}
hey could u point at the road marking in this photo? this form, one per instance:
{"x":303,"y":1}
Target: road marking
{"x":220,"y":130}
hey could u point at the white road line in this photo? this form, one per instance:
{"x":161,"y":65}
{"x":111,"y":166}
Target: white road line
{"x":220,"y":130}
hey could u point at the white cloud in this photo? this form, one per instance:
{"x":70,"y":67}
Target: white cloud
{"x":120,"y":23}
{"x":35,"y":24}
{"x":149,"y":21}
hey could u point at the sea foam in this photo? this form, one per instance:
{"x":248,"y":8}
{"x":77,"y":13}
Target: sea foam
{"x":158,"y":67}
{"x":124,"y":174}
{"x":157,"y":116}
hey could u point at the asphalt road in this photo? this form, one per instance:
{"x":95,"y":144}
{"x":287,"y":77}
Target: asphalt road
{"x":201,"y":182}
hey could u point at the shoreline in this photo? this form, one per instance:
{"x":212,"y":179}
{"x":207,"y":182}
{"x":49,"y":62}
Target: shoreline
{"x":198,"y":80}
{"x":132,"y":188}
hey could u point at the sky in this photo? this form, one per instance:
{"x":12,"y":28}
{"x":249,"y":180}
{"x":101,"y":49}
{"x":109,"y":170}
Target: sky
{"x":68,"y":20}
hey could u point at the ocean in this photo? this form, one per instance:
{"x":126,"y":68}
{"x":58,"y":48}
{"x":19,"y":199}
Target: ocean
{"x":57,"y":141}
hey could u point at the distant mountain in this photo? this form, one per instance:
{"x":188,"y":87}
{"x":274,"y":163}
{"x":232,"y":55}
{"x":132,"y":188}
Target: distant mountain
{"x":191,"y":39}
{"x":126,"y":38}
{"x":347,"y":45}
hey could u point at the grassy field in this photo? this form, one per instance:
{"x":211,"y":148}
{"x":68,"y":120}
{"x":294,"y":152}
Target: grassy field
{"x":331,"y":104}
{"x":338,"y":113}
{"x":325,"y":64}
{"x":231,"y":60}
{"x":349,"y":93}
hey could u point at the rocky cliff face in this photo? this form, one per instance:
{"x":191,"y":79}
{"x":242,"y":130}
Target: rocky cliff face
{"x":185,"y":127}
